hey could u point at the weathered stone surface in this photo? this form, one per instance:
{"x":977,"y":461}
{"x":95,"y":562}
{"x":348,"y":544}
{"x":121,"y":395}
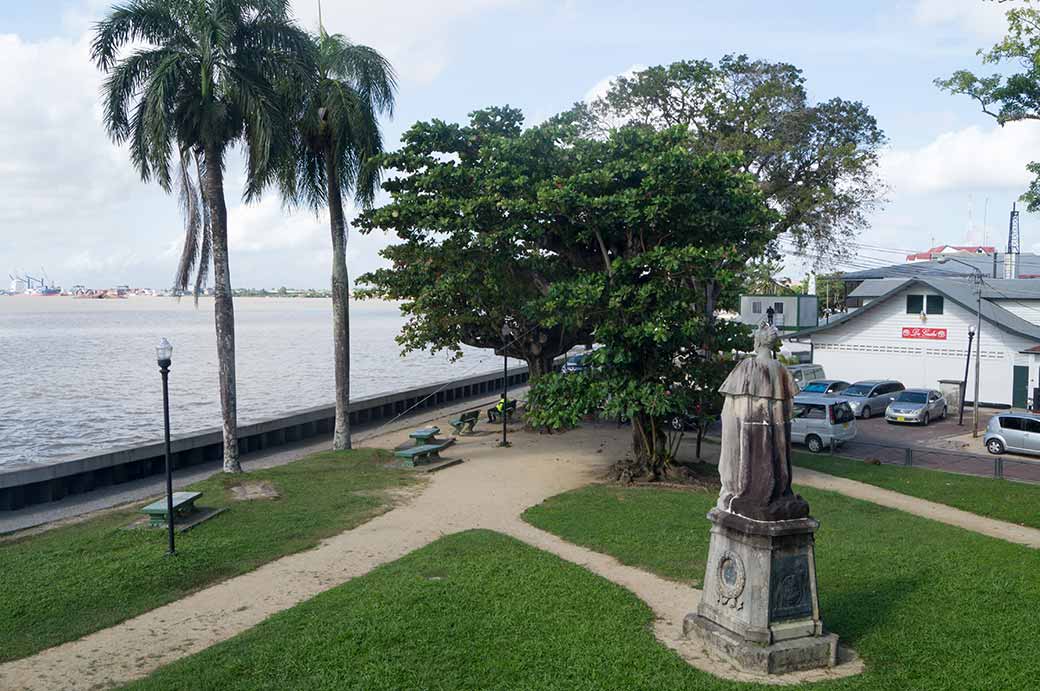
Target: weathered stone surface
{"x":791,"y":655}
{"x":755,"y":458}
{"x":761,"y":575}
{"x":759,"y":607}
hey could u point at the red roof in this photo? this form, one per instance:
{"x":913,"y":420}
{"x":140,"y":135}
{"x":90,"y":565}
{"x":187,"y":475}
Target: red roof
{"x":973,"y":249}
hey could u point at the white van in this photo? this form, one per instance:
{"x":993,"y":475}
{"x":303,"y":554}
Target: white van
{"x":819,"y":419}
{"x":803,"y":374}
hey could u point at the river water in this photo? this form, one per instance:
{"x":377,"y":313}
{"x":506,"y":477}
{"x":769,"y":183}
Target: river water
{"x":80,"y":376}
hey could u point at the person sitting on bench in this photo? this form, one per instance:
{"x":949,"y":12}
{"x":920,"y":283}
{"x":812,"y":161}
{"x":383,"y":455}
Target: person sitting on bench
{"x":493,"y":413}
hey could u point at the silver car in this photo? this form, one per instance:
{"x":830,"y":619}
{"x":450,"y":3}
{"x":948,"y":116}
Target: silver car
{"x":871,"y":396}
{"x":1013,"y":432}
{"x":919,"y":406}
{"x":818,"y":420}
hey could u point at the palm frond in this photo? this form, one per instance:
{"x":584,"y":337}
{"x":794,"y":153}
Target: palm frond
{"x":188,"y":196}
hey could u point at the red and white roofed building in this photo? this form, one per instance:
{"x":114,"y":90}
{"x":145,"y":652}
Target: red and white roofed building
{"x":915,"y":330}
{"x":950,"y":250}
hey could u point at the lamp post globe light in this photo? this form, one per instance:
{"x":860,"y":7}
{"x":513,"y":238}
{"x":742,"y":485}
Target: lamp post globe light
{"x":164,"y":356}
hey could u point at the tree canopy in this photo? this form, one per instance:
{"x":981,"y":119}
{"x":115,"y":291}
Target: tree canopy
{"x":1009,"y":97}
{"x":468,"y":206}
{"x":815,"y":162}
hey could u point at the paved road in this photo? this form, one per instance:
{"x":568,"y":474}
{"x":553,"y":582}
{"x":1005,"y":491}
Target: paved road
{"x":942,"y":445}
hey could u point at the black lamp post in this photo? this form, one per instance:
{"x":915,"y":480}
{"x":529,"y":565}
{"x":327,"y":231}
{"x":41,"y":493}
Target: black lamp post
{"x":164,"y":354}
{"x":964,"y":384}
{"x":506,"y":334}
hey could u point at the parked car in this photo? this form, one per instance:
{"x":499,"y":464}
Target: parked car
{"x":1013,"y":432}
{"x":823,"y":386}
{"x":871,"y":396}
{"x":819,"y":419}
{"x":803,"y":374}
{"x":919,"y":406}
{"x":575,"y":364}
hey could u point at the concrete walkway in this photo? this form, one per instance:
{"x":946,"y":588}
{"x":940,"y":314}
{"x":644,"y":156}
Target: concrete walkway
{"x":1002,"y":530}
{"x":489,"y":490}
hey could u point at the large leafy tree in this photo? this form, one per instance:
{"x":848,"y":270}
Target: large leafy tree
{"x":469,"y":207}
{"x":187,"y":79}
{"x":675,"y":230}
{"x":335,"y":140}
{"x":1009,"y":97}
{"x":814,"y":162}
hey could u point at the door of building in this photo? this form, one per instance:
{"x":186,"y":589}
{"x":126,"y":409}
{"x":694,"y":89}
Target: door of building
{"x":1020,"y":387}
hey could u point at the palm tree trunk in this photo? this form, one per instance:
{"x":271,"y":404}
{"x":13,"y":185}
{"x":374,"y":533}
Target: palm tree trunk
{"x":224,"y":308}
{"x":340,"y":307}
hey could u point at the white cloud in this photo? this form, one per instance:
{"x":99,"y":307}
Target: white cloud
{"x":600,"y":88}
{"x":419,"y":37}
{"x":265,"y":227}
{"x":965,"y":159}
{"x":983,"y":19}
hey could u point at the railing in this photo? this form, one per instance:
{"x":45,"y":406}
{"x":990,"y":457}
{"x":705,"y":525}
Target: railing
{"x":24,"y":485}
{"x":1000,"y":466}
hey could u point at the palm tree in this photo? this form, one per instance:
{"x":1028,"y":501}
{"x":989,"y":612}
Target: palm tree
{"x":336,"y":137}
{"x":198,"y":76}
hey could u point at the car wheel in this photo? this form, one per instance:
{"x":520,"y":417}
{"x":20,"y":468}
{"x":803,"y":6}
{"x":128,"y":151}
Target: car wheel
{"x":866,"y":413}
{"x":925,"y":420}
{"x":995,"y":447}
{"x":814,"y":443}
{"x":677,"y":423}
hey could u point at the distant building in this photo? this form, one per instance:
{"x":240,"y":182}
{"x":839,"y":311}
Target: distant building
{"x":950,"y":250}
{"x":787,"y":312}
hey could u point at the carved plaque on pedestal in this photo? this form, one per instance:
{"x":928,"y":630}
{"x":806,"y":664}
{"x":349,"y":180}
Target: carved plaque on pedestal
{"x":790,"y":588}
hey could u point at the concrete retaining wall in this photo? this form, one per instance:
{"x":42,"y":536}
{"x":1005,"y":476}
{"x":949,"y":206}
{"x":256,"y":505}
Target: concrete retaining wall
{"x":36,"y":484}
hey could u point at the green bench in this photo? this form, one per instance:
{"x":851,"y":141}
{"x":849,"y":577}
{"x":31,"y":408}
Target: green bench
{"x":465,"y":423}
{"x":427,"y":436}
{"x":183,"y":503}
{"x":417,"y":455}
{"x":510,"y":408}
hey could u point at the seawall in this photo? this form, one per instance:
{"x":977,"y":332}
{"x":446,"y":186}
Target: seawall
{"x":25,"y":485}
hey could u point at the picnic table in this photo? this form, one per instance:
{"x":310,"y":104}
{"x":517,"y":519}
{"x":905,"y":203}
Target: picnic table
{"x":183,"y":503}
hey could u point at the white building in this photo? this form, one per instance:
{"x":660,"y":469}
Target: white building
{"x":789,"y":312}
{"x":915,"y":330}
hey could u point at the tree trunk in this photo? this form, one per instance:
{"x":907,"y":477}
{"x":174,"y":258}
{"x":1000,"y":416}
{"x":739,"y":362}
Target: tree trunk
{"x":340,"y":307}
{"x":537,"y":365}
{"x":649,"y":446}
{"x":223,"y":308}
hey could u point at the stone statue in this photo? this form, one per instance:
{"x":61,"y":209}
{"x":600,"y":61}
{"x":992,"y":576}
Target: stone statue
{"x":755,"y":460}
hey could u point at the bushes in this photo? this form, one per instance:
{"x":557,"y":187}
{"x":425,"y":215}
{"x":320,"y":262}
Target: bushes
{"x":560,"y":401}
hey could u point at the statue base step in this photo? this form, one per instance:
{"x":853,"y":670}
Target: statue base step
{"x":792,"y":655}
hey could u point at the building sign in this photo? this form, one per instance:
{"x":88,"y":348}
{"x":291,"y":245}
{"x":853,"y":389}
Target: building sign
{"x":924,"y":332}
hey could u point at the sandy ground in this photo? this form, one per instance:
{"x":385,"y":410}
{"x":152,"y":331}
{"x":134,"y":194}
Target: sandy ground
{"x":489,"y":490}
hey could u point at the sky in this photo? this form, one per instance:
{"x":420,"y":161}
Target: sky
{"x":73,"y":206}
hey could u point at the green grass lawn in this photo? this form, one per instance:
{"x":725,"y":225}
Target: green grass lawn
{"x":70,"y":581}
{"x":927,"y":605}
{"x":1015,"y":502}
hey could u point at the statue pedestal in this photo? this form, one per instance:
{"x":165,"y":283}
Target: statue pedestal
{"x":759,"y":607}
